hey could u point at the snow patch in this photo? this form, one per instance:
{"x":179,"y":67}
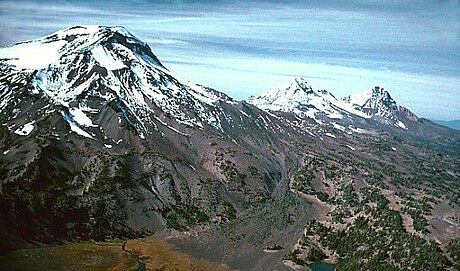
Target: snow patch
{"x":74,"y":126}
{"x":360,"y":99}
{"x":108,"y":146}
{"x":80,"y":117}
{"x":244,"y":113}
{"x":105,"y":59}
{"x":351,"y":148}
{"x":400,"y":124}
{"x":170,"y":127}
{"x":339,"y":127}
{"x":357,"y":130}
{"x":6,"y":152}
{"x":89,"y":109}
{"x":331,"y":135}
{"x":26,"y":129}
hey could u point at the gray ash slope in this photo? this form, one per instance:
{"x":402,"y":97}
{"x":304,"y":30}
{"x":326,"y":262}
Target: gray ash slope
{"x":100,"y":140}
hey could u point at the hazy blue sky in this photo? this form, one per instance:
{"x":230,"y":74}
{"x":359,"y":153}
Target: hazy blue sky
{"x":412,"y":48}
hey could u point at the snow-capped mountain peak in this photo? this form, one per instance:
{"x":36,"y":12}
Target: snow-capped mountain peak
{"x":290,"y":96}
{"x":377,"y":102}
{"x":40,"y":53}
{"x":298,"y":96}
{"x":81,"y":64}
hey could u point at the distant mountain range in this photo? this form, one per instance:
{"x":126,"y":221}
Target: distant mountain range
{"x":454,"y":124}
{"x":298,"y":97}
{"x":99,"y":140}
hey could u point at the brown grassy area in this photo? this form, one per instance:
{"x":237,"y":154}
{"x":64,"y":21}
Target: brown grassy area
{"x":158,"y":255}
{"x":87,"y":256}
{"x":75,"y":256}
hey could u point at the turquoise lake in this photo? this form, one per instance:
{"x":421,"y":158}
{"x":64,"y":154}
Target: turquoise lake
{"x":322,"y":267}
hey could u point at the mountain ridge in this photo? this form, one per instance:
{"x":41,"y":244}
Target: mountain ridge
{"x":454,"y":124}
{"x":297,"y":96}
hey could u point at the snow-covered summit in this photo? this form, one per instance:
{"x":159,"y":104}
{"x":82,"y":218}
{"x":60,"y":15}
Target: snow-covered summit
{"x":74,"y":66}
{"x":291,"y":96}
{"x":39,"y":53}
{"x":298,"y":96}
{"x":377,"y":101}
{"x":381,"y":106}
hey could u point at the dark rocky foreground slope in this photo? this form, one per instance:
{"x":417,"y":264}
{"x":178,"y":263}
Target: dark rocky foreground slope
{"x":99,"y":140}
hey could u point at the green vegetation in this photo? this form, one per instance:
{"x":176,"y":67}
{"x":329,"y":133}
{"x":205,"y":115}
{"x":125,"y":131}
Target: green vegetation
{"x":266,"y":218}
{"x":230,"y":212}
{"x":374,"y":237}
{"x":181,"y":217}
{"x":232,"y":174}
{"x":454,"y":251}
{"x":315,"y":254}
{"x":292,"y":256}
{"x":322,"y":196}
{"x":378,"y":242}
{"x":303,"y":179}
{"x":253,"y":171}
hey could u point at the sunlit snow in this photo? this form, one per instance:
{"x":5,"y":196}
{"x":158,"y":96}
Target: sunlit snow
{"x":400,"y":124}
{"x":26,"y":129}
{"x":80,"y":117}
{"x":32,"y":55}
{"x":351,"y":148}
{"x":105,"y":59}
{"x":298,"y":96}
{"x":74,"y":127}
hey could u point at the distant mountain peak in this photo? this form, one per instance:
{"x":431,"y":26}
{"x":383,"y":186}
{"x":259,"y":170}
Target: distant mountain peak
{"x":92,"y":33}
{"x":289,"y":95}
{"x":380,"y":96}
{"x":298,"y":96}
{"x":376,"y":102}
{"x":297,"y":84}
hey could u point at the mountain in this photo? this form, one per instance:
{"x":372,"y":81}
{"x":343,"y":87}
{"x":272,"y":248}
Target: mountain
{"x":454,"y":124}
{"x":298,"y":96}
{"x":377,"y":102}
{"x":366,"y":110}
{"x":100,"y":141}
{"x":380,"y":105}
{"x":94,"y":65}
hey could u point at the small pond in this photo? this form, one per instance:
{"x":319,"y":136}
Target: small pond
{"x":321,"y":267}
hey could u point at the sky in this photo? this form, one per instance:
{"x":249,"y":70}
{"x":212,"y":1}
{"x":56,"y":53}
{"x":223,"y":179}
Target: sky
{"x":409,"y":47}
